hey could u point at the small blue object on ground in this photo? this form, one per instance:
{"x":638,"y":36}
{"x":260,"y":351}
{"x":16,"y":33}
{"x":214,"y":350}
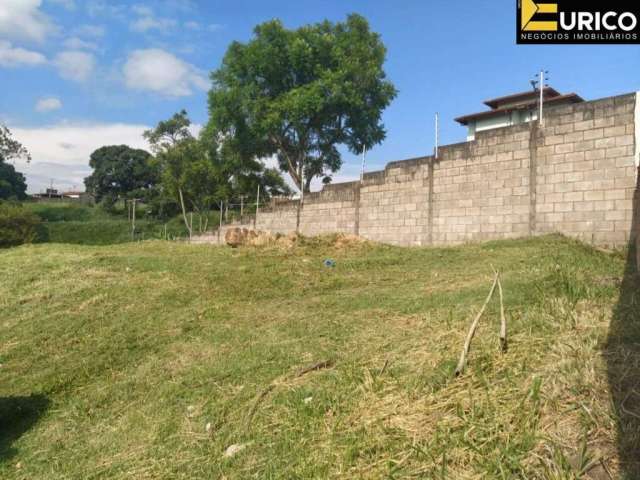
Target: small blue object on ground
{"x":329,"y":263}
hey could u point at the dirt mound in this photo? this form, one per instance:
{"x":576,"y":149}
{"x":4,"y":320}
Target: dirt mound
{"x":288,"y":241}
{"x":236,"y":236}
{"x":261,"y":239}
{"x":344,"y":240}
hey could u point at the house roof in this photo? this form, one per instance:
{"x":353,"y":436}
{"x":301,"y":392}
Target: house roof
{"x":524,"y":105}
{"x":495,"y":103}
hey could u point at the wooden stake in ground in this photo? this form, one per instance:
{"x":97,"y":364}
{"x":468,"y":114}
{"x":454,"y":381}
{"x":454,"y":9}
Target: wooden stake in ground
{"x":467,"y":344}
{"x":133,"y":219}
{"x":503,"y":321}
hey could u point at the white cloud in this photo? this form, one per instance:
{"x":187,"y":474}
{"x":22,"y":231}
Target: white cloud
{"x":88,"y":30}
{"x":148,"y":21}
{"x":75,"y":43}
{"x":14,"y":57}
{"x":68,"y":4}
{"x":144,"y":24}
{"x":192,"y":25}
{"x":142,"y":10}
{"x":61,"y":152}
{"x":161,"y":72}
{"x":22,"y":19}
{"x":103,"y":9}
{"x":48,"y":104}
{"x":74,"y":65}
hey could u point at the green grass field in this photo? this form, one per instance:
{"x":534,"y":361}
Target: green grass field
{"x":151,"y":359}
{"x":68,"y":222}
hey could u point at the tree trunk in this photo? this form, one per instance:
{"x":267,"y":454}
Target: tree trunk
{"x":307,"y":184}
{"x":184,"y":212}
{"x":294,"y":177}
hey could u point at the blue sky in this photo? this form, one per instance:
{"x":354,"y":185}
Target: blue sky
{"x":78,"y":74}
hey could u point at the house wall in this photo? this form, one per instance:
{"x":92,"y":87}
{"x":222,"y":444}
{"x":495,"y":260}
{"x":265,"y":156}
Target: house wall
{"x":512,"y":118}
{"x":575,"y":175}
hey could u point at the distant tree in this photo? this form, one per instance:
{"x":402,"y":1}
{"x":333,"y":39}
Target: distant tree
{"x":270,"y":180}
{"x":120,"y":171}
{"x":198,"y":173}
{"x":299,"y":94}
{"x":191,"y":176}
{"x":13,"y":184}
{"x":168,"y":133}
{"x":242,"y":172}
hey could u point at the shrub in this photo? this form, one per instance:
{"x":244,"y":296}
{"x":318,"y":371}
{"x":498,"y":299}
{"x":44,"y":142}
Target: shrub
{"x":17,"y":225}
{"x":57,"y":211}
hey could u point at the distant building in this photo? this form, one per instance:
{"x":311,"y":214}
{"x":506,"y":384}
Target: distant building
{"x":513,"y":109}
{"x":48,"y":193}
{"x":54,"y":194}
{"x":75,"y":195}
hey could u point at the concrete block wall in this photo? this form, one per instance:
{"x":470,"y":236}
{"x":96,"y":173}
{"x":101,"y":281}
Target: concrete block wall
{"x":394,"y":206}
{"x":481,"y":188}
{"x":586,"y":171}
{"x":576,"y":175}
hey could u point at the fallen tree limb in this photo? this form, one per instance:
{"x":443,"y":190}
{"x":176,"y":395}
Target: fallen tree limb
{"x":269,"y":388}
{"x":315,"y":366}
{"x":259,"y":398}
{"x":503,"y":321}
{"x":474,"y":325}
{"x":384,"y":367}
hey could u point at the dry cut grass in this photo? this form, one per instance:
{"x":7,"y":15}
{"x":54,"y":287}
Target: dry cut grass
{"x":161,"y":360}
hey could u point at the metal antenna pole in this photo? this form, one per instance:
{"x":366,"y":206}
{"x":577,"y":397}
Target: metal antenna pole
{"x":541,"y":86}
{"x":435,"y":149}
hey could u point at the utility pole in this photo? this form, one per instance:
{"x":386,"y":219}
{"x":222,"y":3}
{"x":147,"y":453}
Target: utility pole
{"x":241,"y":207}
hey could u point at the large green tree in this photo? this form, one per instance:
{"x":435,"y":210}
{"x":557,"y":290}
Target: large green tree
{"x":198,"y":173}
{"x":169,"y":133}
{"x":190,"y":174}
{"x":120,"y":171}
{"x":12,"y":183}
{"x":300,"y":94}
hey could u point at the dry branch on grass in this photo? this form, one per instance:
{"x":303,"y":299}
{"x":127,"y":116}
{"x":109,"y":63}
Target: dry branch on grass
{"x":313,"y":367}
{"x":269,"y":388}
{"x":503,"y":321}
{"x":467,"y":344}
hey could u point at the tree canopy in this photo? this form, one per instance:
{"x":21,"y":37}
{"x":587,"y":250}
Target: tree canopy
{"x":169,"y":133}
{"x":198,"y":173}
{"x":12,"y":183}
{"x":120,"y":171}
{"x":299,"y":94}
